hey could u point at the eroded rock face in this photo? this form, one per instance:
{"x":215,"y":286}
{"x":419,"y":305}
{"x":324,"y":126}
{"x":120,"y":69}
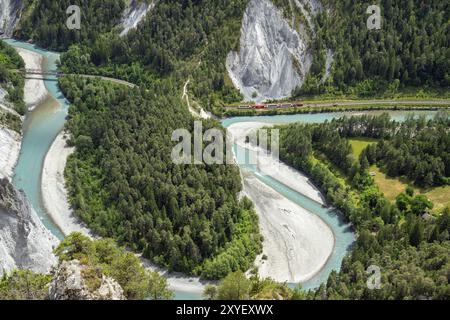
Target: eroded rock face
{"x":135,"y":13}
{"x":74,"y":281}
{"x":10,"y":11}
{"x":273,"y":58}
{"x":24,"y":241}
{"x":10,"y":142}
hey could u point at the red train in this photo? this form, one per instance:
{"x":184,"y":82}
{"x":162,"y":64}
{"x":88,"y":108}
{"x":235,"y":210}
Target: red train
{"x":271,"y":106}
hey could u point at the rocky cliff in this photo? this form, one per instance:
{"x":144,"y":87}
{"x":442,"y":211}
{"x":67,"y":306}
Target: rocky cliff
{"x":9,"y":151}
{"x":135,"y":13}
{"x":24,"y":241}
{"x":273,"y":57}
{"x":10,"y":11}
{"x":74,"y":281}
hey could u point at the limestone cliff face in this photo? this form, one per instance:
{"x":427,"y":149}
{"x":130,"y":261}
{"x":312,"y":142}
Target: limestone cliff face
{"x":135,"y":13}
{"x":10,"y":11}
{"x":273,"y":57}
{"x":24,"y":241}
{"x":74,"y":281}
{"x":10,"y":142}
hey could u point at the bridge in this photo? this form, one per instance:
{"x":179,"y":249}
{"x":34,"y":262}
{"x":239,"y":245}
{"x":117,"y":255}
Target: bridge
{"x":39,"y":72}
{"x":50,"y":75}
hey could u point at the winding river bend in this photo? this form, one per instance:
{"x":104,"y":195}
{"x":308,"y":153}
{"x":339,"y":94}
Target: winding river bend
{"x":46,"y":121}
{"x":343,"y":232}
{"x":40,"y":129}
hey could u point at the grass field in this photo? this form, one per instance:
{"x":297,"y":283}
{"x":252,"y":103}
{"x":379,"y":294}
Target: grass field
{"x":359,"y":144}
{"x":392,"y":187}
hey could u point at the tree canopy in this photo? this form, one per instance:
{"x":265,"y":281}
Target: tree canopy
{"x":412,"y":252}
{"x":123,"y":183}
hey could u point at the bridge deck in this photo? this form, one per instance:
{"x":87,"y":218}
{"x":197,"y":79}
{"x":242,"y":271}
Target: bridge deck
{"x":44,"y":73}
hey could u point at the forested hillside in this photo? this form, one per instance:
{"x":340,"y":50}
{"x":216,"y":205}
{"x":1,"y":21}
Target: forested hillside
{"x":190,"y":37}
{"x":413,"y":46}
{"x":194,"y":38}
{"x":11,"y":88}
{"x":10,"y":79}
{"x":180,"y":40}
{"x":124,"y":185}
{"x":412,"y":252}
{"x":44,"y":21}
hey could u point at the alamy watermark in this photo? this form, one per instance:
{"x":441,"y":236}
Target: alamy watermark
{"x":73,"y":22}
{"x":374,"y":280}
{"x":215,"y":147}
{"x":374,"y":20}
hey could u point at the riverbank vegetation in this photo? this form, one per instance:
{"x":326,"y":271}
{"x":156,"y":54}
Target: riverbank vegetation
{"x":10,"y":121}
{"x":238,"y":286}
{"x":10,"y":79}
{"x":410,"y":248}
{"x":123,"y":183}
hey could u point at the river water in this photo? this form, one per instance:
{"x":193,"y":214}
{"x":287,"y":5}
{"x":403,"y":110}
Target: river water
{"x":41,"y":127}
{"x":46,"y":121}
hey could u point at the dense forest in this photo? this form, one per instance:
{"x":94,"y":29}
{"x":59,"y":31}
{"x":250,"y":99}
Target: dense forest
{"x":196,"y":36}
{"x":124,"y":185}
{"x":412,"y":48}
{"x":44,"y":21}
{"x":412,"y":252}
{"x":418,"y":149}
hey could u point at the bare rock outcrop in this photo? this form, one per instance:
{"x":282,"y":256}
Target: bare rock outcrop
{"x":135,"y":13}
{"x":10,"y":11}
{"x":75,"y":281}
{"x":273,"y":57}
{"x":24,"y":241}
{"x":10,"y":142}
